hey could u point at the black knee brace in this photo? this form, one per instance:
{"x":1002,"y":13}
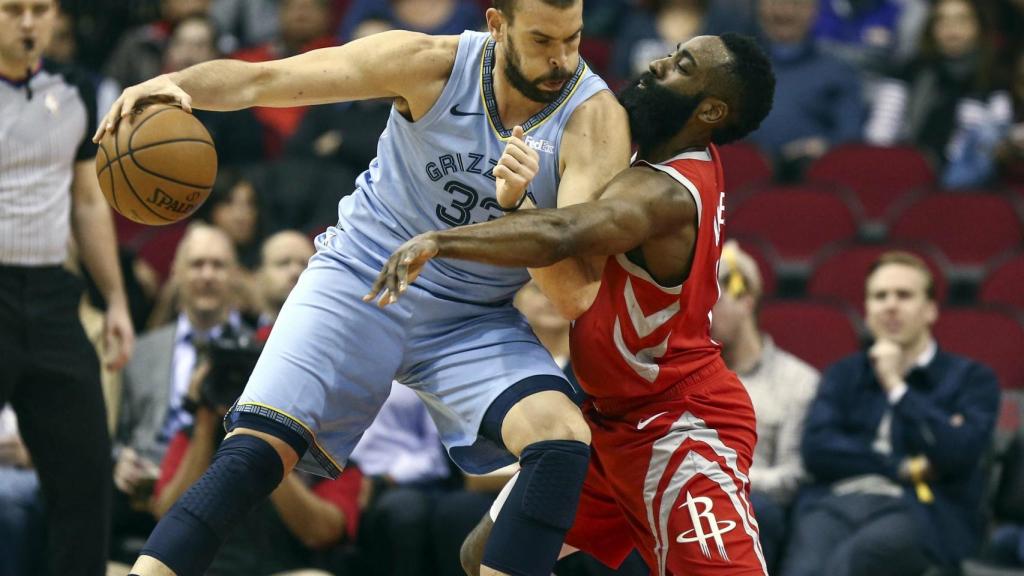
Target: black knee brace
{"x":244,"y":471}
{"x":540,"y":508}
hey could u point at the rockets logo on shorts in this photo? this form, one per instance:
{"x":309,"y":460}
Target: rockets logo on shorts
{"x":715,"y":529}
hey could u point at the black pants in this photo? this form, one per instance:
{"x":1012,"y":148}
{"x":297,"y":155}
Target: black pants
{"x":50,"y":374}
{"x":855,"y":535}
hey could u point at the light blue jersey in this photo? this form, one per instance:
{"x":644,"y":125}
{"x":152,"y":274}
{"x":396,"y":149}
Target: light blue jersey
{"x":454,"y":337}
{"x":436,"y":173}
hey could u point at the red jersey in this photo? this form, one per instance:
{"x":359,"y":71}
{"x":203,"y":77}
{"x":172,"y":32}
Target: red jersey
{"x":640,"y":338}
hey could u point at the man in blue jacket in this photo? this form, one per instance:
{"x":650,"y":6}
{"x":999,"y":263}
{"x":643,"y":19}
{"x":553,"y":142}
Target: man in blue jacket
{"x":894,"y":441}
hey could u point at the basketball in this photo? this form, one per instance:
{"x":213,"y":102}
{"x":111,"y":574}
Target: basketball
{"x":159,"y":165}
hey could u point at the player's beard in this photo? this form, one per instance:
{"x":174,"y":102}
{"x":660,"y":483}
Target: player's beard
{"x":528,"y":88}
{"x":656,"y":113}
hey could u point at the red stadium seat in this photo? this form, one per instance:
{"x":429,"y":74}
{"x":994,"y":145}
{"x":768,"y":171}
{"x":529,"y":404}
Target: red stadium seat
{"x":817,"y":332}
{"x":744,"y":164}
{"x":1004,"y":282}
{"x":876,"y":176}
{"x":968,"y":229}
{"x":796,"y":221}
{"x":992,"y":336}
{"x":840,"y":273}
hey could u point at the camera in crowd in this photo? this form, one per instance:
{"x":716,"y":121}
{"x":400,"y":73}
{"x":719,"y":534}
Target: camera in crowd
{"x":232,"y":357}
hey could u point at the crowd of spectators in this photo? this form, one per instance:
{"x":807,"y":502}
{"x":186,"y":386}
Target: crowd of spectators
{"x":898,"y":459}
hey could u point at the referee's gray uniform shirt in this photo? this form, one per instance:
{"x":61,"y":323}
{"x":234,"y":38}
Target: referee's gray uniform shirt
{"x":46,"y":123}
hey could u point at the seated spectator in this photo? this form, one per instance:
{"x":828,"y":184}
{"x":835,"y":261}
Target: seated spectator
{"x":895,"y":441}
{"x":236,"y":134}
{"x":303,"y":27}
{"x":345,"y":133}
{"x":401,"y":453}
{"x":427,"y":16}
{"x":781,"y":387}
{"x":283,"y":257}
{"x":818,"y":98}
{"x":950,"y":87}
{"x":648,"y":34}
{"x":156,"y":380}
{"x":871,"y":35}
{"x":139,"y":54}
{"x":234,"y":207}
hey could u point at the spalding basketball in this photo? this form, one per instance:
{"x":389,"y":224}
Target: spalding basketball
{"x":158,"y":167}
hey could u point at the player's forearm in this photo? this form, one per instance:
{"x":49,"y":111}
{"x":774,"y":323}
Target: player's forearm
{"x":314,"y":521}
{"x":539,"y":238}
{"x":530,"y":239}
{"x":224,"y":84}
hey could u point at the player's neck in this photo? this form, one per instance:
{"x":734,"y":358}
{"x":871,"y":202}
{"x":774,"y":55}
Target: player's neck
{"x":662,"y":151}
{"x":743,"y":354}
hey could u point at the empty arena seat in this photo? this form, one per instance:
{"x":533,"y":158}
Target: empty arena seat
{"x":744,"y":165}
{"x":991,"y":336}
{"x":796,"y":221}
{"x":969,"y":229}
{"x":877,"y":176}
{"x":1004,"y":282}
{"x":817,"y":332}
{"x":840,"y":272}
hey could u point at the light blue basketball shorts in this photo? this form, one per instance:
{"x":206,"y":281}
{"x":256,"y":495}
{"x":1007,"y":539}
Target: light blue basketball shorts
{"x":330,"y":360}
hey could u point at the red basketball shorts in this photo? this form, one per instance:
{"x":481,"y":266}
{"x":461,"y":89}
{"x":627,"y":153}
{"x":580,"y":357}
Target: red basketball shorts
{"x":668,"y":476}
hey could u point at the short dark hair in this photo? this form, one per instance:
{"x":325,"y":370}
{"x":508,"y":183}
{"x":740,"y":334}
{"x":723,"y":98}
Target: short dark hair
{"x":508,"y":7}
{"x":750,"y":85}
{"x":909,"y":260}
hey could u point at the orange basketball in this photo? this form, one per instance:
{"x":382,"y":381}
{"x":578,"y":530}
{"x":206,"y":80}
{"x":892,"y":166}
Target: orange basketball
{"x":158,"y":167}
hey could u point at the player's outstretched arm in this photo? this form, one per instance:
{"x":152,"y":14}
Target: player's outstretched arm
{"x":637,"y":205}
{"x":391,"y":64}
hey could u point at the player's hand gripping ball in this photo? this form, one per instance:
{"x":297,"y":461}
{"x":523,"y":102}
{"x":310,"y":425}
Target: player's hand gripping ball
{"x":158,"y":166}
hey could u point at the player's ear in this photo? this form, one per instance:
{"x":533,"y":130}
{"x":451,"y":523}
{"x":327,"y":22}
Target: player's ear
{"x":497,"y":24}
{"x":712,"y":110}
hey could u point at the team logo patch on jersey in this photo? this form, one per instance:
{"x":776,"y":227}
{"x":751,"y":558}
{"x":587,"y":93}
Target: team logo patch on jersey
{"x":714,"y":531}
{"x":540,"y":145}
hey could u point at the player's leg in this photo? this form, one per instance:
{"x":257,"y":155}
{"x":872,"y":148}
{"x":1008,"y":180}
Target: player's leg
{"x":600,"y":528}
{"x":320,"y":381}
{"x":697,"y":488}
{"x":547,"y":432}
{"x":495,"y":394}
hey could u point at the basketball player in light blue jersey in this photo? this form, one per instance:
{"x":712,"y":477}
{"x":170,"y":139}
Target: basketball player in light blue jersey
{"x":493,"y":390}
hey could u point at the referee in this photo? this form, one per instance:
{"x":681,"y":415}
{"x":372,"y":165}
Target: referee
{"x":49,"y":372}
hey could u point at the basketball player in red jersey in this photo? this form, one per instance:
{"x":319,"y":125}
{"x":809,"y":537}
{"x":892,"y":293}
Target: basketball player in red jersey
{"x":672,"y":427}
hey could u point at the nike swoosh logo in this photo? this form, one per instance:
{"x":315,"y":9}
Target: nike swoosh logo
{"x":456,"y":112}
{"x":643,"y":423}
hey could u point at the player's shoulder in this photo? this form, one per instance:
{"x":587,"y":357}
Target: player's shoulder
{"x":423,"y":51}
{"x":601,"y":108}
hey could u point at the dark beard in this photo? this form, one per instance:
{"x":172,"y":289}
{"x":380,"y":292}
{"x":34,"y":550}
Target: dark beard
{"x":528,"y":88}
{"x":656,"y":113}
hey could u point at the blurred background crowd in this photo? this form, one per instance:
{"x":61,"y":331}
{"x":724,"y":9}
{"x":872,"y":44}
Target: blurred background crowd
{"x":897,"y":125}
